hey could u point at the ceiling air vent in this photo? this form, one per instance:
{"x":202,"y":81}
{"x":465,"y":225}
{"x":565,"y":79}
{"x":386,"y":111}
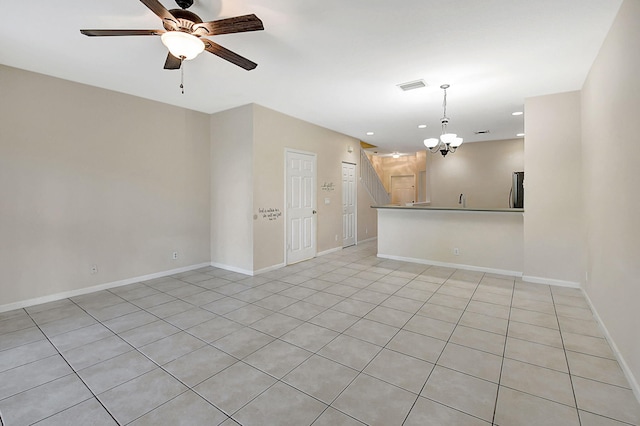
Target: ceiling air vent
{"x":412,"y":85}
{"x":482,"y":132}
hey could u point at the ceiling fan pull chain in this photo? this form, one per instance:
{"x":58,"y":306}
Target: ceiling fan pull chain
{"x":181,"y":77}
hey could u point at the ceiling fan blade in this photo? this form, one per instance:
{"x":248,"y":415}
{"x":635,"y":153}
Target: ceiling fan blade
{"x":228,"y":55}
{"x":102,"y":33}
{"x":237,"y":24}
{"x":172,"y":63}
{"x":156,"y":7}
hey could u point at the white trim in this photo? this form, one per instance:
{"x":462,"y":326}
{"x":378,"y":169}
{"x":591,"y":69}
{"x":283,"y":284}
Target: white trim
{"x":367,"y":240}
{"x":452,"y":265}
{"x":269,"y":269}
{"x":285,"y":207}
{"x":232,"y":268}
{"x":635,"y":387}
{"x":550,"y":281}
{"x":331,"y":250}
{"x":92,"y":289}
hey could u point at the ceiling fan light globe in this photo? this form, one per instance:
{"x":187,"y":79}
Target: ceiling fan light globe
{"x":457,"y":142}
{"x":431,"y":142}
{"x":448,"y":138}
{"x":182,"y":45}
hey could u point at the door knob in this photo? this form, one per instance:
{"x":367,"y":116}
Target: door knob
{"x":314,"y":212}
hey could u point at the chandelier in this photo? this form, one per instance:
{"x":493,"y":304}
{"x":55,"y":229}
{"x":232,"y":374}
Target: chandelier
{"x":448,"y":142}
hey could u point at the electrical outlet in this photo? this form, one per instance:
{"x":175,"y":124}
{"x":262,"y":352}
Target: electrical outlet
{"x":175,"y":255}
{"x":94,"y":269}
{"x":366,"y":230}
{"x":336,"y":237}
{"x":456,"y":251}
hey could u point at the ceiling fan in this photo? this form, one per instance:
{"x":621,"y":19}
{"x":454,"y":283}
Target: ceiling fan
{"x":184,"y":34}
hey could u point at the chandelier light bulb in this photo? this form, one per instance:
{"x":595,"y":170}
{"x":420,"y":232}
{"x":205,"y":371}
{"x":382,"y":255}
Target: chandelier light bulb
{"x":456,"y":142}
{"x":431,"y":142}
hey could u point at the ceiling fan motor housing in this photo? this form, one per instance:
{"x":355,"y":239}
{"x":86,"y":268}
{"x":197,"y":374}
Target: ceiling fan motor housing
{"x":185,"y":4}
{"x":185,"y":21}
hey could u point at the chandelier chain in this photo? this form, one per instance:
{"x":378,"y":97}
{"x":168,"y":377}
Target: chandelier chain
{"x":444,"y":103}
{"x":182,"y":75}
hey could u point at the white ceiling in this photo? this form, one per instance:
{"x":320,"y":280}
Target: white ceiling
{"x":334,"y":63}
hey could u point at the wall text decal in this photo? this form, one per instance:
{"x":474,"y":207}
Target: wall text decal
{"x":269,"y":213}
{"x":330,"y":186}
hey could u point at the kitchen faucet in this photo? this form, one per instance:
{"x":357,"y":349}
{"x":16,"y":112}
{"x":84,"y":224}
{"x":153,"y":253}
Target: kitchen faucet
{"x":462,"y":200}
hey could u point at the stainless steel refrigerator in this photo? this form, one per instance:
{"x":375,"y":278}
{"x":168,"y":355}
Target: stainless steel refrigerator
{"x":516,"y":200}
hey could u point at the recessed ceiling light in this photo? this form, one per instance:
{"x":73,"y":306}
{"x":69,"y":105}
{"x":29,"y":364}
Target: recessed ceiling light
{"x":369,"y":133}
{"x":517,"y":113}
{"x":422,"y":126}
{"x":411,"y":85}
{"x":520,"y":135}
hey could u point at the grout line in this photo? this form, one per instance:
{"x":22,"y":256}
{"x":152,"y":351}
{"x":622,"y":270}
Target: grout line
{"x":566,"y":357}
{"x":504,"y":352}
{"x":435,"y":363}
{"x":77,"y":375}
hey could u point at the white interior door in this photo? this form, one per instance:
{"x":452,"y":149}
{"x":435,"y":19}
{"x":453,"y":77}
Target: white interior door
{"x":403,"y":189}
{"x":301,"y":206}
{"x":349,"y":194}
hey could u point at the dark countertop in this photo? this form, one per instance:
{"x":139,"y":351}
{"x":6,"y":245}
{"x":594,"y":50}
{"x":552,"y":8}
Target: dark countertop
{"x":452,"y":209}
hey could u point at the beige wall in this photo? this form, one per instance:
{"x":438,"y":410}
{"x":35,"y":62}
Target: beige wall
{"x":611,"y":152}
{"x":367,"y":216}
{"x":553,"y":221}
{"x":232,"y":189}
{"x":482,"y":171}
{"x":89,"y":176}
{"x":487,"y":241}
{"x":94,"y":177}
{"x":273,"y":132}
{"x":247,"y":174}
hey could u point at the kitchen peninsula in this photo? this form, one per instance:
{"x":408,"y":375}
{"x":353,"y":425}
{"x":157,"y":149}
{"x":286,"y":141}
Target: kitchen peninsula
{"x":488,"y":240}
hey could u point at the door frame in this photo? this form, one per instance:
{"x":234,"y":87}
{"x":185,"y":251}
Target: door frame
{"x":286,"y":201}
{"x":355,"y":205}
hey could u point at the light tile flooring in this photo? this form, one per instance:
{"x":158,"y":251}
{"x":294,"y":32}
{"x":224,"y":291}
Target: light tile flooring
{"x":343,"y":339}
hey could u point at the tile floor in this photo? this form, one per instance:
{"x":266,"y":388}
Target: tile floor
{"x":343,"y":339}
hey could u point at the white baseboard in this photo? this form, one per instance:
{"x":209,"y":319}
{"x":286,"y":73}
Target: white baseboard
{"x":269,"y":268}
{"x":335,"y":249}
{"x":452,"y":265}
{"x":232,"y":268}
{"x":635,"y":387}
{"x":550,"y":281}
{"x":331,"y":250}
{"x":100,"y":287}
{"x":367,"y":240}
